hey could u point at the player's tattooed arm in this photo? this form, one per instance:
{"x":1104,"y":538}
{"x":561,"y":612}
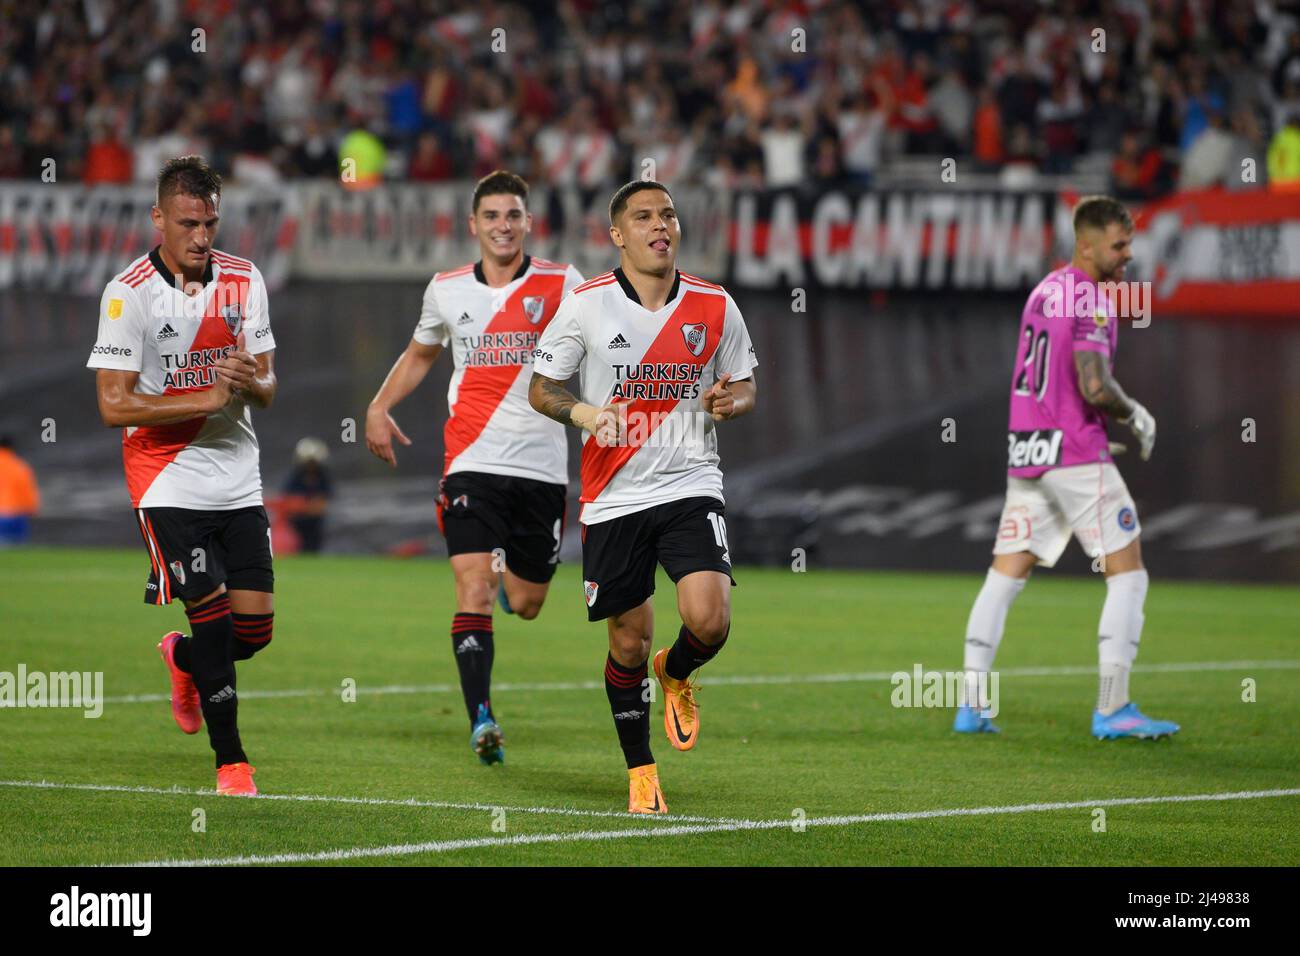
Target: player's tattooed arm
{"x":608,"y":425}
{"x":553,"y":400}
{"x":121,"y":406}
{"x":1098,"y":386}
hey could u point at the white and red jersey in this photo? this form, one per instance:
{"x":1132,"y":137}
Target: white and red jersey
{"x":492,"y":334}
{"x":148,"y":325}
{"x":660,"y":363}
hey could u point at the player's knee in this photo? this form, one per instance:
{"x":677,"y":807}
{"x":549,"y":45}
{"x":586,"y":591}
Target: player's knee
{"x":252,"y":633}
{"x":711,"y":626}
{"x":527,"y":609}
{"x":476,"y":593}
{"x":630,"y":646}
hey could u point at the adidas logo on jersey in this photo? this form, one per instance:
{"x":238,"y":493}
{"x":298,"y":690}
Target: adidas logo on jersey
{"x":469,"y":644}
{"x":464,"y":317}
{"x":167,"y":332}
{"x":618,"y":342}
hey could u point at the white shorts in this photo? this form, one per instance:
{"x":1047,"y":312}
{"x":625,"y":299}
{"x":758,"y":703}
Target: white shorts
{"x":1090,"y":501}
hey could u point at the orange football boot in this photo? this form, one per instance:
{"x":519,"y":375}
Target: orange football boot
{"x":644,"y":795}
{"x":236,"y":780}
{"x":681,"y":713}
{"x":185,"y":696}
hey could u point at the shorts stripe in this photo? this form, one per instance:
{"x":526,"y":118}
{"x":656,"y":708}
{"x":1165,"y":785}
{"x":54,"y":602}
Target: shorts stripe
{"x":164,"y":580}
{"x":155,"y":558}
{"x":1101,"y":498}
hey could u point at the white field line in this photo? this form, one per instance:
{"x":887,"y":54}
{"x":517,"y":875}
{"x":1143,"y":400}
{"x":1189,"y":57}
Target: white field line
{"x":733,"y":680}
{"x":586,"y":836}
{"x":359,"y":801}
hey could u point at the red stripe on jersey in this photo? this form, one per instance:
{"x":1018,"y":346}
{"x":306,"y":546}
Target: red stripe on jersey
{"x":698,"y":281}
{"x":482,"y":387}
{"x":453,"y":273}
{"x":541,"y":263}
{"x":227,"y":258}
{"x":601,"y":463}
{"x":151,"y":448}
{"x":140,"y":277}
{"x":596,"y":283}
{"x":135,"y":269}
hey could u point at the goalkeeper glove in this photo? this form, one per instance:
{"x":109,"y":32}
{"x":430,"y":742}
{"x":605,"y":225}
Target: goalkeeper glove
{"x":1143,"y":426}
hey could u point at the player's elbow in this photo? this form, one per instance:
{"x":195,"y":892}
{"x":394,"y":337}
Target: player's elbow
{"x":536,"y":394}
{"x":110,"y":415}
{"x":1093,"y":391}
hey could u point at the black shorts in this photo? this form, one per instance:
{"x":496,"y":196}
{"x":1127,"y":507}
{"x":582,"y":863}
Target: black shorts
{"x":192,"y":553}
{"x":619,"y":555}
{"x":523,"y":517}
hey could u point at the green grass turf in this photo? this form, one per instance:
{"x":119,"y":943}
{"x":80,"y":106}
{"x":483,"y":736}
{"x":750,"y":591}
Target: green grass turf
{"x":766,"y":751}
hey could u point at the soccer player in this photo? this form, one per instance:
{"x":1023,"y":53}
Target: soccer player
{"x":502,"y":498}
{"x":664,"y":356}
{"x":184,"y":348}
{"x":1060,"y":473}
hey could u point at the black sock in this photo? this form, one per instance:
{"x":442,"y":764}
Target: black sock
{"x":689,"y":652}
{"x":624,"y":686}
{"x":214,"y":676}
{"x":471,"y":639}
{"x":181,"y":653}
{"x":252,"y":633}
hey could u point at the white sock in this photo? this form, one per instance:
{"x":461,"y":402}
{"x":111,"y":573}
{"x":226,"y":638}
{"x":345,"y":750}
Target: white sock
{"x":1118,"y":636}
{"x":988,"y":617}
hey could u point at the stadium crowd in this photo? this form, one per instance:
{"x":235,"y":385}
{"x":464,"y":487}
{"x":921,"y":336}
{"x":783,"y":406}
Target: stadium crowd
{"x":1173,"y":93}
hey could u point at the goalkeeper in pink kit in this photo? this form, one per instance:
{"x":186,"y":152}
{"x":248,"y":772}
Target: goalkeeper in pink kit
{"x":1061,"y":479}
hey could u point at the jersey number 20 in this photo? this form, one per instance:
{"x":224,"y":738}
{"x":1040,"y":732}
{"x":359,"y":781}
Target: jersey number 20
{"x":1033,"y":377}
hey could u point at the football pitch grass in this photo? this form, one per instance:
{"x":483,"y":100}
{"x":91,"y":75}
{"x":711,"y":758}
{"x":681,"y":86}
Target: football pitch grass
{"x":802,"y":758}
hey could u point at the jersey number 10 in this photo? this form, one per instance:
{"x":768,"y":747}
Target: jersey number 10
{"x":1033,"y":377}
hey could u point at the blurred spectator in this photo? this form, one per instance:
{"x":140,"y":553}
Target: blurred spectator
{"x":1058,"y":118}
{"x":307,"y":494}
{"x":314,"y":155}
{"x":1247,"y":144}
{"x":861,"y":128}
{"x":783,"y":152}
{"x":915,"y":109}
{"x":107,"y":160}
{"x":19,"y":496}
{"x":827,"y":172}
{"x":953,"y":108}
{"x":1206,"y":162}
{"x":988,"y":130}
{"x":1200,"y":104}
{"x":1108,"y":119}
{"x":1135,"y":173}
{"x":362,"y":158}
{"x":155,"y":144}
{"x":1284,"y":157}
{"x":11,"y":157}
{"x":430,"y":163}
